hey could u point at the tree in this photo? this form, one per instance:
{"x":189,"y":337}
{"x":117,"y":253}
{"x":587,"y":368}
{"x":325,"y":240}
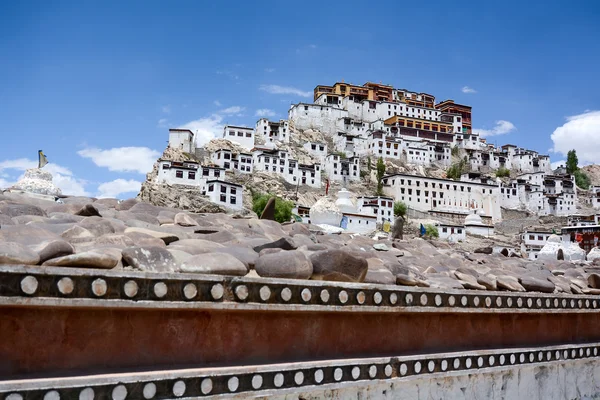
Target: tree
{"x":400,"y":209}
{"x":380,"y":173}
{"x":503,"y":172}
{"x":582,"y":180}
{"x":572,"y":162}
{"x":283,"y":208}
{"x":431,"y":231}
{"x":457,"y":169}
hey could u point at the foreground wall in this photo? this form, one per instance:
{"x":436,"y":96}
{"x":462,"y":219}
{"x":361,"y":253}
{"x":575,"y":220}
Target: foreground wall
{"x":366,"y":340}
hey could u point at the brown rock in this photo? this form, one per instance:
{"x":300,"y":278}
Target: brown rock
{"x":244,"y":254}
{"x":291,"y":264}
{"x":88,"y":211}
{"x":594,"y":280}
{"x":155,"y":259}
{"x":15,"y":253}
{"x":88,"y":259}
{"x":15,"y":210}
{"x":338,"y":265}
{"x":214,"y":263}
{"x":284,"y":243}
{"x":184,"y":219}
{"x":52,"y":249}
{"x":510,"y":283}
{"x":164,"y":236}
{"x":269,"y":210}
{"x":489,"y":282}
{"x":532,"y":284}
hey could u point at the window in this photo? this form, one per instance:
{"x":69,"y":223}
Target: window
{"x":226,"y":165}
{"x":211,"y":187}
{"x":205,"y":171}
{"x":223,"y":198}
{"x":248,"y":135}
{"x":531,"y":237}
{"x":459,"y":231}
{"x":240,"y":134}
{"x":232,"y":190}
{"x":191,"y":175}
{"x":217,"y":173}
{"x":165,"y":166}
{"x":232,"y":199}
{"x":305,"y":108}
{"x":444,"y":230}
{"x":179,"y":174}
{"x":540,"y":238}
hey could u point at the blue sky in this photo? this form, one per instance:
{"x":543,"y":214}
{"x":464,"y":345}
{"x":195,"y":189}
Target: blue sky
{"x":97,"y":84}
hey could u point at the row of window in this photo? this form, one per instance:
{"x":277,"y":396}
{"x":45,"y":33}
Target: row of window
{"x":240,"y":134}
{"x":458,"y":230}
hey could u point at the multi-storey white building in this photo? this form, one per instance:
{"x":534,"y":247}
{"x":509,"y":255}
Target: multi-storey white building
{"x":595,"y":193}
{"x":316,"y":149}
{"x":225,"y":193}
{"x":532,"y":241}
{"x":182,"y":139}
{"x":241,"y":135}
{"x":278,"y":162}
{"x":340,"y":169}
{"x":273,"y":131}
{"x":380,"y":206}
{"x":231,"y":161}
{"x":434,"y":194}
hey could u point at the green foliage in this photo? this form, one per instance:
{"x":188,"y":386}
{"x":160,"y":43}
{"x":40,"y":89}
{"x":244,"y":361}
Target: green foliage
{"x":572,"y":162}
{"x":340,"y":153}
{"x":369,"y":165}
{"x":363,"y":173}
{"x":431,"y":231}
{"x":455,"y":151}
{"x":503,"y":172}
{"x":400,"y":209}
{"x":380,"y":173}
{"x":457,"y":169}
{"x":582,"y":180}
{"x":283,"y":208}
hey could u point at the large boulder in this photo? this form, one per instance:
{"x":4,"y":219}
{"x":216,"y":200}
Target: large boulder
{"x":155,"y":259}
{"x":15,"y":253}
{"x":244,"y":254}
{"x":196,"y":246}
{"x":15,"y":210}
{"x":338,"y":265}
{"x":283,"y":243}
{"x":101,"y":258}
{"x":532,"y":284}
{"x":292,"y":264}
{"x":214,"y":263}
{"x":164,"y":236}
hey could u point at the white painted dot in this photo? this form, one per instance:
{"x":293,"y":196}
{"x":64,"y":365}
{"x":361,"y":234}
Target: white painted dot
{"x":417,"y":367}
{"x":149,"y":390}
{"x":513,"y":358}
{"x":529,"y":302}
{"x":519,"y":302}
{"x":29,"y":285}
{"x":476,"y":301}
{"x":540,"y":356}
{"x":444,"y":365}
{"x":355,"y":373}
{"x":509,"y":302}
{"x":217,"y":292}
{"x":179,"y":388}
{"x":306,"y":295}
{"x":286,"y":294}
{"x":408,"y":299}
{"x":160,"y":289}
{"x":393,"y":298}
{"x":464,"y":301}
{"x":337,"y":374}
{"x":468,"y":363}
{"x":594,"y":304}
{"x":119,"y":392}
{"x":556,"y":303}
{"x":264,"y":293}
{"x":548,"y":356}
{"x":403,"y":369}
{"x":372,"y":371}
{"x":480,"y":362}
{"x":573,"y":353}
{"x":557,"y":355}
{"x":190,"y":291}
{"x":438,"y":300}
{"x":388,"y":370}
{"x":130,"y":288}
{"x":319,"y":376}
{"x":522,"y":358}
{"x":456,"y":363}
{"x":423,"y":299}
{"x":241,"y":292}
{"x":595,"y":351}
{"x":377,"y":298}
{"x":257,"y":381}
{"x":498,"y":301}
{"x":488,"y":302}
{"x":548,"y":303}
{"x":52,"y":395}
{"x":343,"y":296}
{"x":580,"y":352}
{"x":65,"y":285}
{"x":491,"y":361}
{"x":579,"y":303}
{"x":361,"y":297}
{"x":565,"y":354}
{"x":451,"y":301}
{"x":538,"y":303}
{"x":233,"y":383}
{"x":587,"y":303}
{"x":502,"y":359}
{"x":99,"y":287}
{"x":588,"y":352}
{"x":14,"y":396}
{"x":206,"y":386}
{"x":278,"y":380}
{"x":431,"y":365}
{"x":87,"y":394}
{"x":299,"y":378}
{"x":564,"y":303}
{"x":325,"y":296}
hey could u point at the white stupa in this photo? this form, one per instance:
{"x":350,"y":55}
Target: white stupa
{"x":344,"y":203}
{"x":37,"y":181}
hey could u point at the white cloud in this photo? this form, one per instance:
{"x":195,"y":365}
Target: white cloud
{"x":312,"y":46}
{"x":229,"y":74}
{"x":217,"y":103}
{"x":276,"y":89}
{"x":467,"y":89}
{"x":162,"y":123}
{"x":269,"y":70}
{"x":166,"y":109}
{"x":122,"y":159}
{"x":580,"y":133}
{"x":205,"y":129}
{"x":232,"y":110}
{"x":62,"y":177}
{"x":264,"y":112}
{"x":502,"y":128}
{"x":117,"y":187}
{"x":557,"y":164}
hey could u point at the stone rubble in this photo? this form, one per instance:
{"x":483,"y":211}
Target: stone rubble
{"x":134,"y":235}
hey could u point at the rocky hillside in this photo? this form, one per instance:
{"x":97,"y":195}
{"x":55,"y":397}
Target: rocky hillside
{"x":110,"y":234}
{"x":593,"y":172}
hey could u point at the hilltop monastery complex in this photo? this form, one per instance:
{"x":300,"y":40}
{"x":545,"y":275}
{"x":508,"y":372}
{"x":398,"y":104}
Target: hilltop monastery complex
{"x":373,"y":121}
